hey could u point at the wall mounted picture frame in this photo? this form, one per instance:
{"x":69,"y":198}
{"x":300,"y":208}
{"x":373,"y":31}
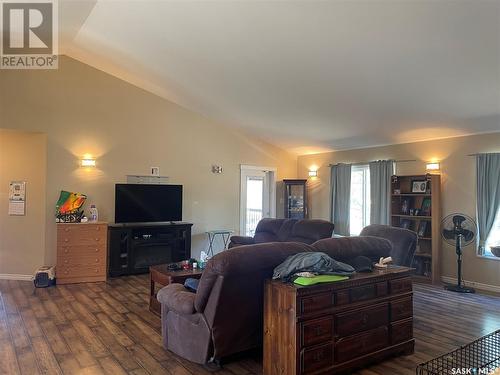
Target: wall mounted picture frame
{"x":419,"y":186}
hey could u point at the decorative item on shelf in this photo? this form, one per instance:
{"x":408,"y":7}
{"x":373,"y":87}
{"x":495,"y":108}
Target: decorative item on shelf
{"x":432,"y":166}
{"x":405,"y":206}
{"x":422,"y":228}
{"x":417,"y":212}
{"x":397,"y":191}
{"x":419,"y":186}
{"x":426,"y":207}
{"x":69,"y":207}
{"x":405,"y":224}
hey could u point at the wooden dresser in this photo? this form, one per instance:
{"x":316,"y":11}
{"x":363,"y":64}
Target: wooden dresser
{"x":81,"y":252}
{"x":336,"y":327}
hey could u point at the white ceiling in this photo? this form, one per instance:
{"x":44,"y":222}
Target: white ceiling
{"x":308,"y":76}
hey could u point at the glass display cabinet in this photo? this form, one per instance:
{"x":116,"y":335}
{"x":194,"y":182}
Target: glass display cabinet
{"x":295,"y":199}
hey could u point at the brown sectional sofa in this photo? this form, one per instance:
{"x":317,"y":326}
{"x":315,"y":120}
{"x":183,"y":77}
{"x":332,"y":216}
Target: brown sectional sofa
{"x":286,"y":230}
{"x":225,"y":316}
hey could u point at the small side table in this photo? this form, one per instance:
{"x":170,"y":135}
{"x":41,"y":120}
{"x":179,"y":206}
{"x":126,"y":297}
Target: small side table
{"x":225,"y":234}
{"x":161,"y":275}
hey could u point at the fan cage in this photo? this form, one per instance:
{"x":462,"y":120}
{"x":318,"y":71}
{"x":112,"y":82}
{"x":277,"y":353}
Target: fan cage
{"x":480,"y":357}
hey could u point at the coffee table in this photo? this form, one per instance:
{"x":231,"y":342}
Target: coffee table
{"x":160,"y":276}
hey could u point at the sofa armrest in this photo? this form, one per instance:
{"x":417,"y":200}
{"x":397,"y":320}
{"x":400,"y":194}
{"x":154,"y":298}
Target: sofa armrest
{"x":242,"y":240}
{"x":177,"y":298}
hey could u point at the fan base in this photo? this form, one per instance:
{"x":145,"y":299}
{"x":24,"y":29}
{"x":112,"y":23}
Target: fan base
{"x":459,"y":289}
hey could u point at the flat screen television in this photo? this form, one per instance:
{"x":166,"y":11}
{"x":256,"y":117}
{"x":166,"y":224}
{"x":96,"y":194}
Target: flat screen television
{"x":144,"y":203}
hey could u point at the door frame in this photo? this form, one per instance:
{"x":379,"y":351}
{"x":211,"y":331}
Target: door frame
{"x":269,"y":185}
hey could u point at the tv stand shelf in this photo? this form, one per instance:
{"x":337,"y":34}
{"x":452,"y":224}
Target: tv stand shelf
{"x":134,"y":247}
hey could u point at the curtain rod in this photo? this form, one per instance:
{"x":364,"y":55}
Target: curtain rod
{"x":481,"y":153}
{"x":367,"y":162}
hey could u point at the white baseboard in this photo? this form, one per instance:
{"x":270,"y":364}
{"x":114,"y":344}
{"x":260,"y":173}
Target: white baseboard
{"x":14,"y":276}
{"x":481,"y":286}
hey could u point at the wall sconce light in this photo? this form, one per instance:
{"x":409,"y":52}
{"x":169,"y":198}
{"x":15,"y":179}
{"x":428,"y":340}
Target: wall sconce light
{"x":88,"y":162}
{"x":313,"y":173}
{"x":433,"y":166}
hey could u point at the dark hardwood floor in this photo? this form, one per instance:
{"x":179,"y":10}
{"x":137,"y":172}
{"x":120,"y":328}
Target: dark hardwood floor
{"x":106,"y":328}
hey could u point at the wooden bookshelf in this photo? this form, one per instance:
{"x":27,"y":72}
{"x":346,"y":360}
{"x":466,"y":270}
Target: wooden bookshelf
{"x":420,"y":212}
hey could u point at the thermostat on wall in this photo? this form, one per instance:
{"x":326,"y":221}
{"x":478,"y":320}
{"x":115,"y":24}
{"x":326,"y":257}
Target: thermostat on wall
{"x":155,"y":171}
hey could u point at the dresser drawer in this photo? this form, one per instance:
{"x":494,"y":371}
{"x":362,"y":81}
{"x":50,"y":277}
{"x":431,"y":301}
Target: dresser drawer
{"x":355,"y":346}
{"x":81,"y":260}
{"x":78,"y":250}
{"x":360,"y":320}
{"x":316,"y":303}
{"x":84,"y":234}
{"x":401,"y":309}
{"x":314,"y":359}
{"x":403,"y":285}
{"x":401,"y":331}
{"x":80,"y":271}
{"x":316,"y":331}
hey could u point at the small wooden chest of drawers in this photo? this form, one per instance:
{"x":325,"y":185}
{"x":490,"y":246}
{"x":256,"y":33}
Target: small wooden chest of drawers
{"x":81,"y":252}
{"x":337,"y":327}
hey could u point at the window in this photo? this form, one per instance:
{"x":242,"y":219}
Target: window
{"x":360,"y":198}
{"x":494,"y":237}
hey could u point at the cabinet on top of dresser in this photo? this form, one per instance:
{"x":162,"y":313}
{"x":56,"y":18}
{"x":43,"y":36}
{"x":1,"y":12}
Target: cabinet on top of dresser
{"x":81,"y":252}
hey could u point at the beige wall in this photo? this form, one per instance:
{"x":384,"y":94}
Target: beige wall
{"x":458,"y":186}
{"x":22,"y":238}
{"x":83,"y":110}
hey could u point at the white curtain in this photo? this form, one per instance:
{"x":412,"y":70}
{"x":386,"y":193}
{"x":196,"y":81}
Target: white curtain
{"x":341,"y":198}
{"x":488,"y":194}
{"x":380,"y":191}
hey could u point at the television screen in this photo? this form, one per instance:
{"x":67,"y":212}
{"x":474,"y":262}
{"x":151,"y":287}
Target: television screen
{"x":141,"y":203}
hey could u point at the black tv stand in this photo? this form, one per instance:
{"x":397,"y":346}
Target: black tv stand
{"x":134,"y":247}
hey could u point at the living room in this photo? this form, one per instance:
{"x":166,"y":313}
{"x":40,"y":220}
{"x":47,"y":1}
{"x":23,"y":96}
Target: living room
{"x":285,"y":93}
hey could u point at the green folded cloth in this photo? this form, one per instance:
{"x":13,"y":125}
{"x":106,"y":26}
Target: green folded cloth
{"x":319,"y":279}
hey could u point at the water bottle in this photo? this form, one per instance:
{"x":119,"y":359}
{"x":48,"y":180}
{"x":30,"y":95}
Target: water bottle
{"x":94,"y":215}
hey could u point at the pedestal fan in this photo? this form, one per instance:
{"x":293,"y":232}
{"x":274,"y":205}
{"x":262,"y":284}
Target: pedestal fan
{"x":459,"y":230}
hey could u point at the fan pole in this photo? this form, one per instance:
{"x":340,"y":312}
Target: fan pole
{"x":459,"y":287}
{"x":458,"y":248}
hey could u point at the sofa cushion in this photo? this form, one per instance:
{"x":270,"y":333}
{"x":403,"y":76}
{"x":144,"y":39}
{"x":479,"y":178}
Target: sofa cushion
{"x":345,"y":249}
{"x":177,"y":298}
{"x":267,"y":230}
{"x":310,"y":231}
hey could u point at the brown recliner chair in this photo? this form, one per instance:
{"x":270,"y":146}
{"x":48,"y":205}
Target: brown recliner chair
{"x":404,"y":241}
{"x":286,"y":230}
{"x":225,"y":316}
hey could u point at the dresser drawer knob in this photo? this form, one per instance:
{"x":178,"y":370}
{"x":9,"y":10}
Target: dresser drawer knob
{"x":96,"y":260}
{"x":66,"y":251}
{"x":66,"y":240}
{"x":97,"y":239}
{"x":66,"y":229}
{"x":66,"y":261}
{"x":96,"y":250}
{"x":96,"y":270}
{"x":66,"y":272}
